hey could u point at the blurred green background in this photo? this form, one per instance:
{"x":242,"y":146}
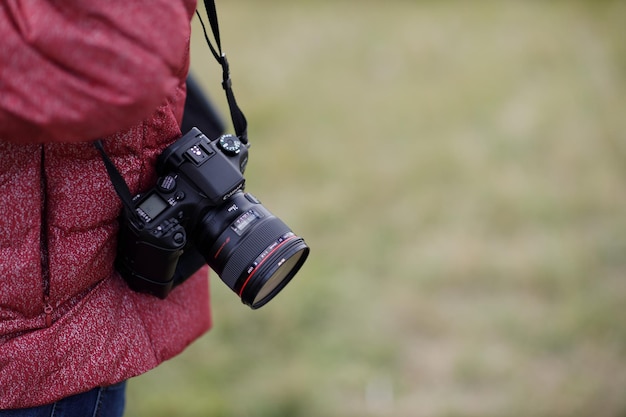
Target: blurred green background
{"x":458,"y":169}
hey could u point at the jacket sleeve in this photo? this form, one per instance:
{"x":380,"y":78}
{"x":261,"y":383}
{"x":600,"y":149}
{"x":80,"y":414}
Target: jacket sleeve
{"x":75,"y":70}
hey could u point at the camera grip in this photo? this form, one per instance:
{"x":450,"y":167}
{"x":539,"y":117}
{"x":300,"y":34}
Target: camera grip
{"x":147,"y":259}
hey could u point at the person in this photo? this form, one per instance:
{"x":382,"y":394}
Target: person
{"x":72,"y":72}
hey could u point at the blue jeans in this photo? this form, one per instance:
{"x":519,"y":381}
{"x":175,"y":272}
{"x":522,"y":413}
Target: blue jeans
{"x":99,"y":402}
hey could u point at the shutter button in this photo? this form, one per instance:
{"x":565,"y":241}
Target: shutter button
{"x":179,"y":238}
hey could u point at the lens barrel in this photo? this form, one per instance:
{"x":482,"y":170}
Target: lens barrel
{"x":255,"y":253}
{"x":271,"y":270}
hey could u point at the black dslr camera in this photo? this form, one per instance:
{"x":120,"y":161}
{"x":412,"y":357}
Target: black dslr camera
{"x":198,"y":213}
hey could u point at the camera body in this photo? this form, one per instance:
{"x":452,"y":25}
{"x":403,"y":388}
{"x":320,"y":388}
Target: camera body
{"x":195,"y":175}
{"x":197,"y":213}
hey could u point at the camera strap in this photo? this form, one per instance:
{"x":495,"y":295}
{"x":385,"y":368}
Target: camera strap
{"x":239,"y":120}
{"x":119,"y":184}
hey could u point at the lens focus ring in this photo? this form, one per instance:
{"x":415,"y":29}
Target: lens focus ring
{"x":253,"y":245}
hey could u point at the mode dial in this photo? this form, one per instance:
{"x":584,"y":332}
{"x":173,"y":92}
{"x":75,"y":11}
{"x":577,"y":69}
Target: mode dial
{"x":230,"y":144}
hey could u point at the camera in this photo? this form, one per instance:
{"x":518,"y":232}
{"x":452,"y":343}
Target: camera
{"x":197,"y":213}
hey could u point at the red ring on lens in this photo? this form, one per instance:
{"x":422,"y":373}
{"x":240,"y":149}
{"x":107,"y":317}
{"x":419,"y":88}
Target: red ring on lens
{"x":268,"y":256}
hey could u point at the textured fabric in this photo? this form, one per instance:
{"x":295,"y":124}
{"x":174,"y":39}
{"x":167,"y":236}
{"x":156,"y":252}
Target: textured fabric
{"x":70,"y":72}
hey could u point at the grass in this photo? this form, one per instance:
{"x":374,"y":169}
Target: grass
{"x":458,"y":170}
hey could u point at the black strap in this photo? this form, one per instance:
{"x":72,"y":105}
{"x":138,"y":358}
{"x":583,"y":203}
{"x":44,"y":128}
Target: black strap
{"x":121,"y":188}
{"x":239,"y":120}
{"x":240,"y":123}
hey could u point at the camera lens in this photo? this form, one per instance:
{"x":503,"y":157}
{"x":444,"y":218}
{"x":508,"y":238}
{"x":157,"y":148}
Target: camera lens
{"x":279,"y":278}
{"x":274,"y":271}
{"x":253,"y":252}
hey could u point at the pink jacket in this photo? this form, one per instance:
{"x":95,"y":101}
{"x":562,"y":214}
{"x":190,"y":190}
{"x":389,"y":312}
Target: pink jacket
{"x":72,"y":71}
